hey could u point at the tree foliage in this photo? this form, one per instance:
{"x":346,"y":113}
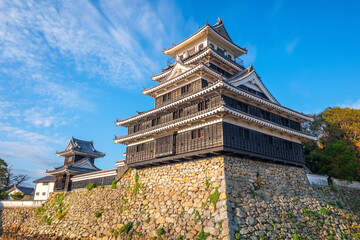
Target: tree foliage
{"x":337,"y":152}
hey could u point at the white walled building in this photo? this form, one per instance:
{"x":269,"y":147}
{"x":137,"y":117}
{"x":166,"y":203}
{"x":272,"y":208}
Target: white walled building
{"x":44,"y":186}
{"x":26,"y":191}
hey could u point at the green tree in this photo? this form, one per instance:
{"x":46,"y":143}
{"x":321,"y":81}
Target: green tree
{"x":337,"y":152}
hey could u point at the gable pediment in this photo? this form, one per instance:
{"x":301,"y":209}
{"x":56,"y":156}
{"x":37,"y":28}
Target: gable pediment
{"x":178,"y":69}
{"x":253,"y":81}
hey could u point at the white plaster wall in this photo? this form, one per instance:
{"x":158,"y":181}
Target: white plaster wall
{"x":41,"y":188}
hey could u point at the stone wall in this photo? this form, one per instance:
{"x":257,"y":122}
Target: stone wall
{"x":215,"y":198}
{"x":170,"y":201}
{"x":272,"y":201}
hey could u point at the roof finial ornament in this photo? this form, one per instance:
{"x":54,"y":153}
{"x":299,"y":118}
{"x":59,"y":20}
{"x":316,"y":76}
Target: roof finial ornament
{"x":207,"y":22}
{"x":219,"y":20}
{"x":251,"y":67}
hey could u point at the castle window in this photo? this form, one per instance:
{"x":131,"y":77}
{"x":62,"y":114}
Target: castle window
{"x":37,"y":194}
{"x":185,"y":89}
{"x":198,"y":133}
{"x":137,"y":127}
{"x":155,"y":121}
{"x":201,"y":46}
{"x":166,"y":97}
{"x":204,"y":105}
{"x":45,"y":183}
{"x":178,"y":113}
{"x":140,"y":147}
{"x":44,"y":193}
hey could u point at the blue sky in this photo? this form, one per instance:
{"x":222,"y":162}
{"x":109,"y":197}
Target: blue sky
{"x":70,"y":68}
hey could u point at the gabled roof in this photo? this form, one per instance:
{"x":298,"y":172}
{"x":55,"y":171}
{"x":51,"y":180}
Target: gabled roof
{"x":249,"y":75}
{"x":218,"y":30}
{"x":45,"y":179}
{"x":23,"y":190}
{"x":77,"y":146}
{"x":82,"y":166}
{"x":177,"y":69}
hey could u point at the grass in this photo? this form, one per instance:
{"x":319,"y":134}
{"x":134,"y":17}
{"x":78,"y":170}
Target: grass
{"x":202,"y":235}
{"x":182,"y":213}
{"x":214,"y":197}
{"x":126,"y":228}
{"x":207,"y":184}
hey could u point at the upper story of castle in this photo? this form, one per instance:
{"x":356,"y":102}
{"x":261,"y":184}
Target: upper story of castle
{"x":208,"y":79}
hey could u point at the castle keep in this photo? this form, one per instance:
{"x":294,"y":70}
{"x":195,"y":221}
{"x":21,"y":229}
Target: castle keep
{"x":208,"y":103}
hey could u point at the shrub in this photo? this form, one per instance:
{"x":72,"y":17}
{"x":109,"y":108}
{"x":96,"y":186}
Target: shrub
{"x":113,"y":184}
{"x":17,"y":196}
{"x":90,"y":186}
{"x":160,"y":231}
{"x":237,"y":236}
{"x":324,"y":211}
{"x":147,"y":220}
{"x":296,"y":237}
{"x":3,"y":195}
{"x":98,"y":214}
{"x":179,"y":238}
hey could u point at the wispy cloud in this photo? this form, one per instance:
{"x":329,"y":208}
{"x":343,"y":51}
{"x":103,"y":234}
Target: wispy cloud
{"x":289,"y":48}
{"x":55,"y":54}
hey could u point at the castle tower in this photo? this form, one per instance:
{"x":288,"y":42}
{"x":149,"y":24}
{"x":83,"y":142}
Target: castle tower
{"x":79,"y":158}
{"x":208,"y":103}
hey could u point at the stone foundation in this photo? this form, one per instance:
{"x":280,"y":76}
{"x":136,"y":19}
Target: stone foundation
{"x":216,"y":198}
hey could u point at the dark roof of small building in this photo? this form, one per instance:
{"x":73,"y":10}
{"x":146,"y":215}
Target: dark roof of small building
{"x":45,"y":179}
{"x":81,"y":146}
{"x":82,"y":166}
{"x":24,"y":190}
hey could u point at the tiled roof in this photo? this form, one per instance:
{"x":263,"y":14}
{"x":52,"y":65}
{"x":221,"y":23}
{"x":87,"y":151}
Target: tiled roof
{"x":24,"y":190}
{"x":220,"y":29}
{"x":45,"y":179}
{"x":82,"y":166}
{"x":86,"y":147}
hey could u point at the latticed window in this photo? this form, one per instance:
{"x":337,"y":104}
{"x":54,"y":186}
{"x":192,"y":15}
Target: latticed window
{"x":166,"y":97}
{"x":198,"y":133}
{"x":178,"y":113}
{"x":185,"y":89}
{"x":137,"y":127}
{"x":140,"y":147}
{"x":204,"y":105}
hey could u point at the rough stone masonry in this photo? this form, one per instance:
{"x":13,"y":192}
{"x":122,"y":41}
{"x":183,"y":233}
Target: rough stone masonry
{"x":215,"y":198}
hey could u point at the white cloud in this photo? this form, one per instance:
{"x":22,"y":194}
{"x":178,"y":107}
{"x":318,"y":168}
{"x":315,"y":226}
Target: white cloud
{"x":355,"y":105}
{"x":289,"y":48}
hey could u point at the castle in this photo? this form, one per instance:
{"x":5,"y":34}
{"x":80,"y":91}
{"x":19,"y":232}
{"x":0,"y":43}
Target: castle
{"x":208,"y":103}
